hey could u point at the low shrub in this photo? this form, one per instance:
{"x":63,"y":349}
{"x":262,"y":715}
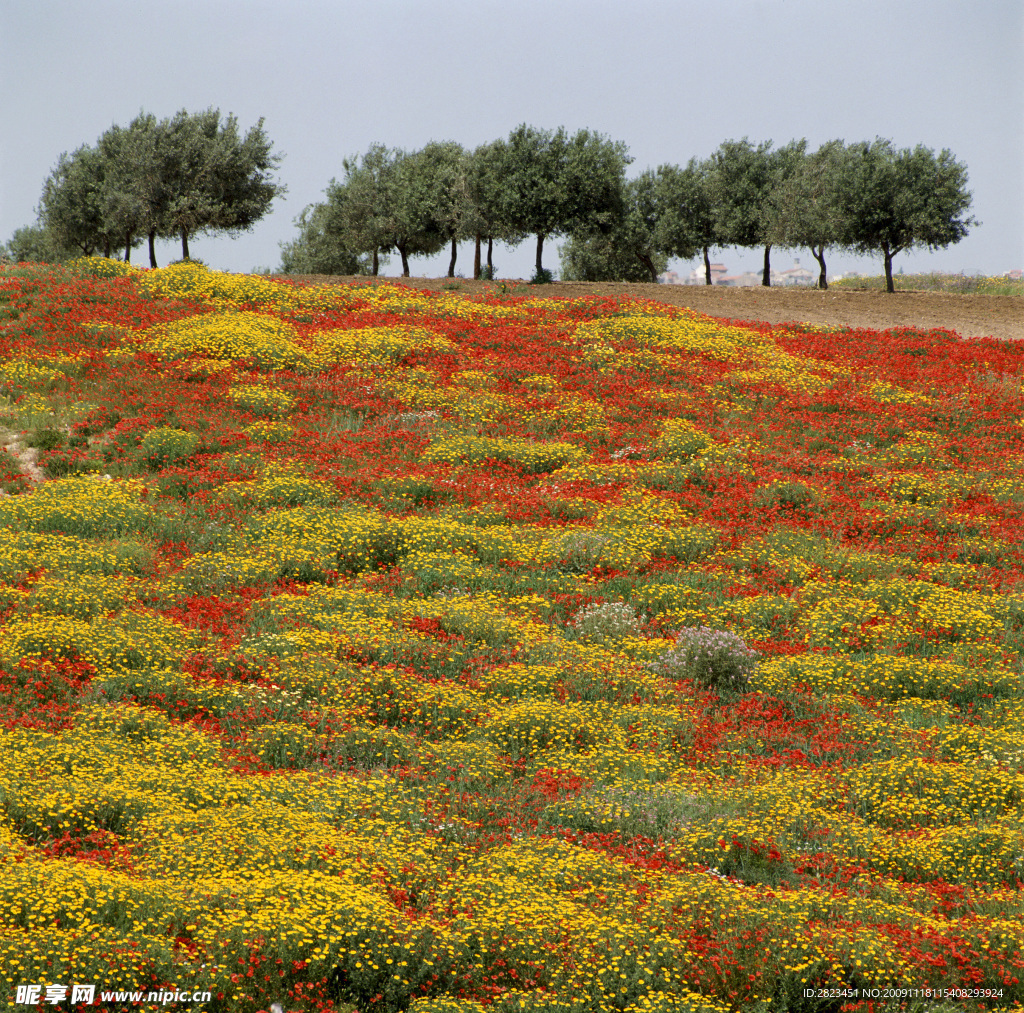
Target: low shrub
{"x":714,"y":659}
{"x":611,"y":620}
{"x":164,"y":446}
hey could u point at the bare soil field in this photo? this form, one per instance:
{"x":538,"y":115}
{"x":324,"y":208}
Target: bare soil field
{"x":971,"y":316}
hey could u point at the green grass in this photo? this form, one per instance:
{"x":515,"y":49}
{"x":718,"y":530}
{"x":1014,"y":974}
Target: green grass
{"x":964,"y":284}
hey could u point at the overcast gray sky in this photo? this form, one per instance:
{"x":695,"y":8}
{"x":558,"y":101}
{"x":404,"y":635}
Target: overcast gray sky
{"x":672,"y":79}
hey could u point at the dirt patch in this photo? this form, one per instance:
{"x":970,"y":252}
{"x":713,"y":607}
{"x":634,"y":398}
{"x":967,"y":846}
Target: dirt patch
{"x":26,"y":457}
{"x":971,"y":315}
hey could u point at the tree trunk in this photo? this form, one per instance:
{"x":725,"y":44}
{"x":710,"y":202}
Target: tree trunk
{"x":707,"y":267}
{"x":889,"y":286}
{"x":106,"y":247}
{"x":766,"y":277}
{"x":128,"y":248}
{"x":376,"y":261}
{"x":490,"y":250}
{"x":405,"y":261}
{"x":540,"y":253}
{"x":152,"y":247}
{"x":476,"y":257}
{"x":451,"y":263}
{"x":184,"y":245}
{"x":647,"y":261}
{"x":819,"y":256}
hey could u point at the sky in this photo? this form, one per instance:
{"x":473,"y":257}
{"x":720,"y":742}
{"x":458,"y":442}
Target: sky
{"x":671,"y":79}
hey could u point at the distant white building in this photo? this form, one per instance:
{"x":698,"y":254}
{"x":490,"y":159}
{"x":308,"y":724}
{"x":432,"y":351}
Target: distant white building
{"x":746,"y":280}
{"x":796,"y":275}
{"x":698,"y":275}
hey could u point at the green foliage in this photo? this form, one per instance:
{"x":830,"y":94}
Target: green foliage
{"x":895,"y":201}
{"x":164,"y":446}
{"x":550,"y":183}
{"x":554,"y":184}
{"x":630,"y":250}
{"x":485,"y":183}
{"x":740,"y":181}
{"x":47,"y":439}
{"x":35,"y":244}
{"x":181,"y":176}
{"x":71,"y":206}
{"x":686,"y":222}
{"x":805,"y":208}
{"x":320,"y":246}
{"x":743,"y":180}
{"x":413,"y":203}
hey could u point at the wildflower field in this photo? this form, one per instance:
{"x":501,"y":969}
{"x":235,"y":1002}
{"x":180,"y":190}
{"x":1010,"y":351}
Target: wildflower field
{"x":367,"y":648}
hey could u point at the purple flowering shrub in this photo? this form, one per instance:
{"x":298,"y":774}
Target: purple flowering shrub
{"x":714,"y":659}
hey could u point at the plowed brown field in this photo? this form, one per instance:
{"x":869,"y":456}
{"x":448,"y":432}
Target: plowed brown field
{"x":971,"y":316}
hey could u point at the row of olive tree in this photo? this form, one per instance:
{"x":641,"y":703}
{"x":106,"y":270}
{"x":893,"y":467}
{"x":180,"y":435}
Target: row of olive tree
{"x":189,"y":174}
{"x":865,"y":197}
{"x":537,"y":182}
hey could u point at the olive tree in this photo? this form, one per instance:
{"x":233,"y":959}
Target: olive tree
{"x":806,"y":207}
{"x":71,"y":208}
{"x":35,"y":243}
{"x":743,"y":180}
{"x":486,"y":179}
{"x":192,"y":173}
{"x":217,"y":180}
{"x":321,"y":245}
{"x":629,"y":249}
{"x":442,"y":170}
{"x":687,"y":224}
{"x":134,"y":194}
{"x":361,"y":216}
{"x":896,"y":200}
{"x":554,"y":184}
{"x":409,"y":210}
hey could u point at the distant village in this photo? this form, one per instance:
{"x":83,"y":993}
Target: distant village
{"x":796,"y":275}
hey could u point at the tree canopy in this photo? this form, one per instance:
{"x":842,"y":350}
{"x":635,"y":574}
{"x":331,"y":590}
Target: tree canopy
{"x":191,"y":174}
{"x":549,"y":183}
{"x":627,"y":250}
{"x":743,"y":178}
{"x":197,"y":173}
{"x":895,"y":200}
{"x":805,"y":208}
{"x":320,"y":246}
{"x":485,"y":179}
{"x":71,"y":206}
{"x":554,"y":184}
{"x":687,"y":223}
